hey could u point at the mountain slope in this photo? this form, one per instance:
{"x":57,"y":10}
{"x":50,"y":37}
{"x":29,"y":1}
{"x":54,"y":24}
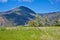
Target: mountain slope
{"x":18,"y":16}
{"x":51,"y":17}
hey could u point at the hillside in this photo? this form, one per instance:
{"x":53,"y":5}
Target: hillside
{"x":51,"y":17}
{"x":18,"y":16}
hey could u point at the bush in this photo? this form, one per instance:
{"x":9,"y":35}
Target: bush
{"x":3,"y":29}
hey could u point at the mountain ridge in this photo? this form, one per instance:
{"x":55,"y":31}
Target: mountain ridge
{"x":22,"y":15}
{"x":19,"y":16}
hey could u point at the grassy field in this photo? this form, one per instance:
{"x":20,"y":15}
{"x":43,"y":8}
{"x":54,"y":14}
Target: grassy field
{"x":30,"y":33}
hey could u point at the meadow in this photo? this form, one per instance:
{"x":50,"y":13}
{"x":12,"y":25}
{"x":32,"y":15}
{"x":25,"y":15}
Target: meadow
{"x":30,"y":33}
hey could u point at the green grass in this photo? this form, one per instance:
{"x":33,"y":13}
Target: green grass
{"x":30,"y":33}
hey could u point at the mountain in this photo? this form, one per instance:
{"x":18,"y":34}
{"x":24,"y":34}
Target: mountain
{"x":51,"y":16}
{"x":22,"y":15}
{"x":18,"y":16}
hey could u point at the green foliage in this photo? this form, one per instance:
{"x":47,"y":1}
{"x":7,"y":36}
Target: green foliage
{"x":56,"y":23}
{"x":3,"y":29}
{"x":47,"y":22}
{"x":33,"y":23}
{"x":37,"y":22}
{"x":42,"y":21}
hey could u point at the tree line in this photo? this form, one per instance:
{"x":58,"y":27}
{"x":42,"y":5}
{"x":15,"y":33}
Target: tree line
{"x":40,"y":22}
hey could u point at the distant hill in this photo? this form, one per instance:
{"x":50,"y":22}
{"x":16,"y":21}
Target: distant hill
{"x":17,"y":16}
{"x":51,"y":16}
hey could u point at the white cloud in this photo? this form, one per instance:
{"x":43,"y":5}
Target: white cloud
{"x":57,"y":0}
{"x":3,"y":1}
{"x":51,"y":1}
{"x":28,"y":0}
{"x":25,"y":0}
{"x":54,"y":1}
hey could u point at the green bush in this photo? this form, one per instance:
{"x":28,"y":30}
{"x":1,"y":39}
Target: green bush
{"x":3,"y":29}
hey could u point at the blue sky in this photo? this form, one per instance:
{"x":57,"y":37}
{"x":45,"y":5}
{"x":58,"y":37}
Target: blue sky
{"x":39,"y":6}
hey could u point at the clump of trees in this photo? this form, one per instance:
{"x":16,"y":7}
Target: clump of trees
{"x":39,"y":21}
{"x":36,"y":22}
{"x":47,"y":22}
{"x":33,"y":23}
{"x":42,"y":21}
{"x":56,"y":22}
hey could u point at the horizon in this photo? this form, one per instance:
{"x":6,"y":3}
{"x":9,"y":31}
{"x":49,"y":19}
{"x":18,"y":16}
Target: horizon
{"x":38,"y":6}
